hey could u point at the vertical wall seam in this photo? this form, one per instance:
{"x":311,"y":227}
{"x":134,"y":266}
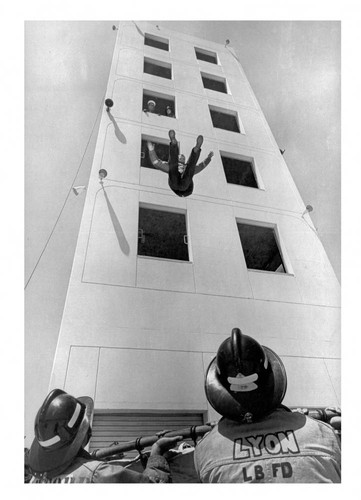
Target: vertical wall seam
{"x":96,"y":375}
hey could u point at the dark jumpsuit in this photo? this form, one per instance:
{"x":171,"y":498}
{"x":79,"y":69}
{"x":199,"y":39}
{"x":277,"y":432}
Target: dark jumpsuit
{"x":180,"y":185}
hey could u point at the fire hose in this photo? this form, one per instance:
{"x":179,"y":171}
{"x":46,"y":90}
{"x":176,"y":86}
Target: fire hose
{"x":329,"y":415}
{"x":143,"y":442}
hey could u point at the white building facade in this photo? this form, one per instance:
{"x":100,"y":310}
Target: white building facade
{"x":159,"y":281}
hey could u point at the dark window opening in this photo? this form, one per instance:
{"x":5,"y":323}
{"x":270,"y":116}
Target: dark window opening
{"x":161,"y":104}
{"x":239,"y":171}
{"x":162,"y":151}
{"x":260,"y":248}
{"x":162,"y":234}
{"x":205,"y":55}
{"x":157,"y":42}
{"x":152,"y":68}
{"x":225,"y":121}
{"x":214,"y":84}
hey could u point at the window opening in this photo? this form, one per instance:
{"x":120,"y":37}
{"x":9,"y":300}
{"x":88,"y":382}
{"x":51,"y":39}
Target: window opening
{"x":162,"y":104}
{"x":156,"y":41}
{"x":260,"y":248}
{"x":161,"y":149}
{"x":162,"y":234}
{"x":239,"y":171}
{"x":206,"y":55}
{"x":226,"y":120}
{"x":157,"y":68}
{"x":214,"y":83}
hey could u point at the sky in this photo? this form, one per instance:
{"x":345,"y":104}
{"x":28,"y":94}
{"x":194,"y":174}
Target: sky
{"x":294,"y":71}
{"x":66,"y":72}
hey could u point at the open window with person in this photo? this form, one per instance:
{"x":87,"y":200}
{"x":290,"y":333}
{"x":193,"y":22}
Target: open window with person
{"x":179,"y":170}
{"x":161,"y":147}
{"x":158,"y":104}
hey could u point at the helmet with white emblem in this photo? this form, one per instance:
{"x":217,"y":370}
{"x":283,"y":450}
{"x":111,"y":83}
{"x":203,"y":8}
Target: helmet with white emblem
{"x":246,"y":380}
{"x":62,"y":427}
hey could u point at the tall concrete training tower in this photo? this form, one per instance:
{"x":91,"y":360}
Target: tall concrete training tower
{"x":159,"y":281}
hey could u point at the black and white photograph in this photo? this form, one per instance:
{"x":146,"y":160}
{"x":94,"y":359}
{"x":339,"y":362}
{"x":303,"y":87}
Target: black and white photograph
{"x":182,"y":251}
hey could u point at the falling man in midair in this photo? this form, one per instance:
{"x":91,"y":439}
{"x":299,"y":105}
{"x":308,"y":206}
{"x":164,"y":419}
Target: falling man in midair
{"x":180,"y":173}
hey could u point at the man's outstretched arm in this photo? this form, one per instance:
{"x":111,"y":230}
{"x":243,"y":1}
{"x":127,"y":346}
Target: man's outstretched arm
{"x":159,"y":164}
{"x":203,"y":163}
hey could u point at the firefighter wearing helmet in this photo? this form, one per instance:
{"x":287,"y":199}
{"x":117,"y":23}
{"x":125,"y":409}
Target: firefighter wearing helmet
{"x":58,"y":455}
{"x":258,"y":439}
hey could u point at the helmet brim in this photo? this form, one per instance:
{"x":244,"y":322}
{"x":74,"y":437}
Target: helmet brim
{"x":225,"y":404}
{"x":42,"y":460}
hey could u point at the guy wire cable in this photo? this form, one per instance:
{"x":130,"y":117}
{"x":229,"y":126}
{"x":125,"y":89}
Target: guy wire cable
{"x":67,"y":196}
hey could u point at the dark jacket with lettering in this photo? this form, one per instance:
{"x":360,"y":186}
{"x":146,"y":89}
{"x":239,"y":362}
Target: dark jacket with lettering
{"x":285,"y":447}
{"x":85,"y":469}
